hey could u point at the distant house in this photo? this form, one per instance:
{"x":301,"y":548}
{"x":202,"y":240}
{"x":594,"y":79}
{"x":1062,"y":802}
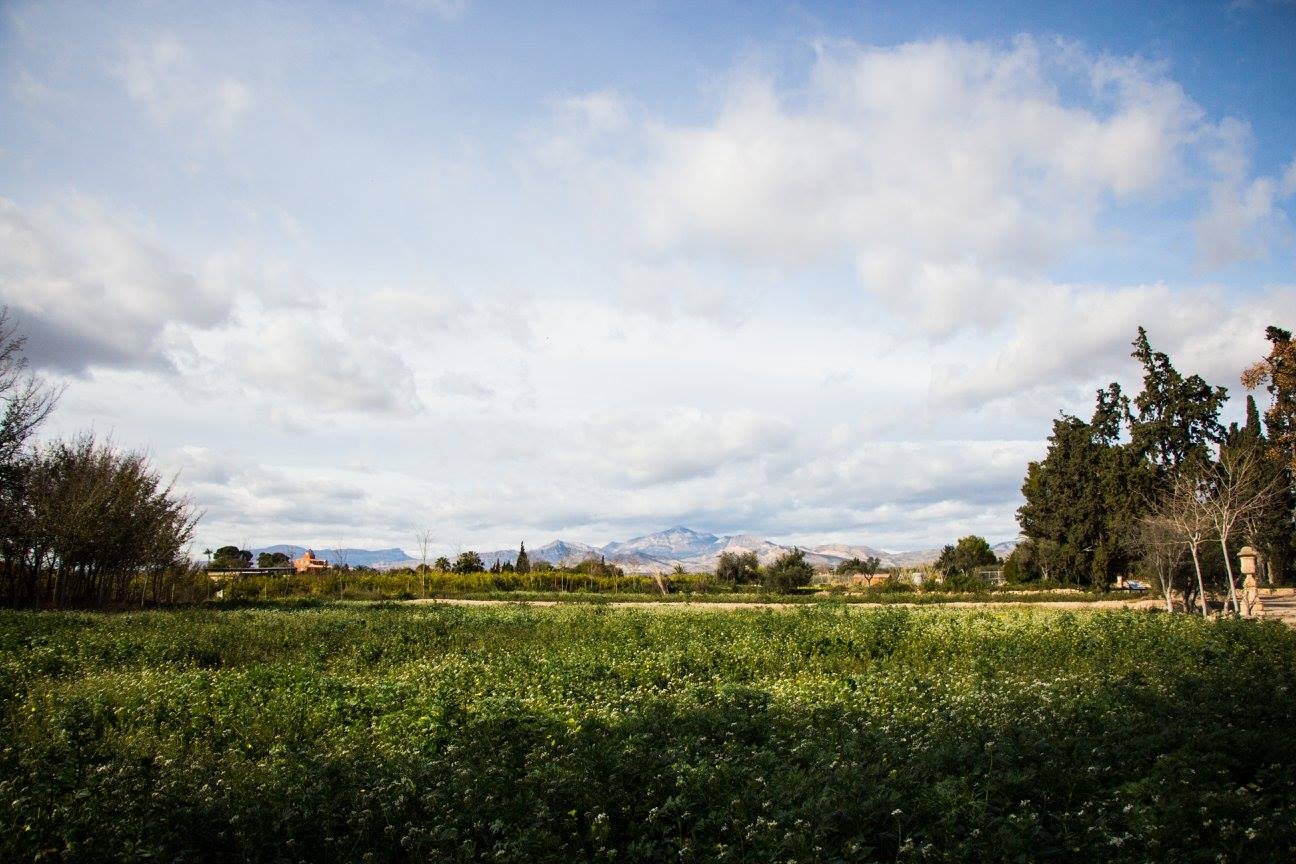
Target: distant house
{"x":308,"y":562}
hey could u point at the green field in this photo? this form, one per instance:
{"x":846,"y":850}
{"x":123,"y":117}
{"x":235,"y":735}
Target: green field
{"x":573,"y":734}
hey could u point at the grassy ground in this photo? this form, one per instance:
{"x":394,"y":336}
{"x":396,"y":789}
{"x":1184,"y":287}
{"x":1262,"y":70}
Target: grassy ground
{"x":564,"y":734}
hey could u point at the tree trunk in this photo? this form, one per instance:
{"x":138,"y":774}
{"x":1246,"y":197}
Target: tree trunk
{"x":1228,"y":567}
{"x":1201,"y":588}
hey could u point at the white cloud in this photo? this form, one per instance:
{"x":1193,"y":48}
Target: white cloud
{"x":1245,"y":219}
{"x":462,"y":384}
{"x":92,"y":289}
{"x":162,"y":75}
{"x":601,"y":111}
{"x":1061,"y":336}
{"x":935,"y":151}
{"x":953,"y":174}
{"x":298,"y":360}
{"x":684,"y":444}
{"x":414,"y":315}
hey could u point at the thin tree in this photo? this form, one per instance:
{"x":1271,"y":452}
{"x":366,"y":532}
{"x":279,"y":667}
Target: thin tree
{"x":1240,"y":490}
{"x":27,"y":400}
{"x":1183,"y":512}
{"x":424,"y":539}
{"x":1163,"y":553}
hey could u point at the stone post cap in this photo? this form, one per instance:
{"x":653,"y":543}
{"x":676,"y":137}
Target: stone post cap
{"x":1247,"y":552}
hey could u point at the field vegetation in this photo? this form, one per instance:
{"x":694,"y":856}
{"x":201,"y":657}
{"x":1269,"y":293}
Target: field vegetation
{"x":399,"y":733}
{"x":583,"y":587}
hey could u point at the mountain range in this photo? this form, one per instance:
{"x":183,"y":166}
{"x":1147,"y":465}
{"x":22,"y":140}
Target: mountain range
{"x":379,"y":558}
{"x":695,"y":551}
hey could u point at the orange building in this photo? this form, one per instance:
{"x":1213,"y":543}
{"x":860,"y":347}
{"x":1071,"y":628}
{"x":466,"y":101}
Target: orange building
{"x":308,"y":562}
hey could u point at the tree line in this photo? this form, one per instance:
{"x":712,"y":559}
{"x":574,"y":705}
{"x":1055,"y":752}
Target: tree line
{"x":1154,"y":485}
{"x":82,"y":523}
{"x":789,"y":572}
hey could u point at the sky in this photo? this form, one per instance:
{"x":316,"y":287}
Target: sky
{"x":516,"y":271}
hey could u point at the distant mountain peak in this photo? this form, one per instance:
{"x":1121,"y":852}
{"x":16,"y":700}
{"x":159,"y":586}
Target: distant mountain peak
{"x":659,"y":552}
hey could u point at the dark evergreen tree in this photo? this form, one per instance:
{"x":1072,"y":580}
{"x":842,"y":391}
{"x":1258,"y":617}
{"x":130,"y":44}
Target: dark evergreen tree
{"x":1177,"y":418}
{"x":1086,"y":497}
{"x":523,"y":564}
{"x":1270,"y":529}
{"x":1082,"y":501}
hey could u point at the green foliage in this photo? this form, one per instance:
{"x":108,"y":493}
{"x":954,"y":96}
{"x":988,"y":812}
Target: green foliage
{"x":272,"y":559}
{"x":442,"y":564}
{"x":231,"y":558}
{"x":866,"y":567}
{"x":91,"y":525}
{"x":737,"y":568}
{"x":972,"y":553}
{"x":523,"y":564}
{"x":449,"y":734}
{"x":1270,"y":528}
{"x":598,"y":567}
{"x":1085,"y":498}
{"x":469,"y":562}
{"x":1177,"y":418}
{"x":788,"y":572}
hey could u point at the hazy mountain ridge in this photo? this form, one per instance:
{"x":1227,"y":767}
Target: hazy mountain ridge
{"x":351,"y":557}
{"x":659,"y":552}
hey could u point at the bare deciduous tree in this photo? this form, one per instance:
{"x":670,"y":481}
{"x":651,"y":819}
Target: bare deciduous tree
{"x":1163,"y":553}
{"x":28,"y":401}
{"x":424,"y":539}
{"x":1239,"y":489}
{"x":1182,"y":513}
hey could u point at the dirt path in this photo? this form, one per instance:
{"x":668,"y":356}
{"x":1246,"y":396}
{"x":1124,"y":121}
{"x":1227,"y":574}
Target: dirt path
{"x":656,"y":605}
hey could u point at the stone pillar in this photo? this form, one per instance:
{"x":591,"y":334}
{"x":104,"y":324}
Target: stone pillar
{"x":1251,"y":604}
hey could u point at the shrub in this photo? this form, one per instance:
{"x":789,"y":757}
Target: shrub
{"x":788,"y":573}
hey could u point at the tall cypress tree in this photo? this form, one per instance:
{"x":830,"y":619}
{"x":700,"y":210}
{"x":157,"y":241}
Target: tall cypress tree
{"x":1177,"y":418}
{"x":1270,"y":529}
{"x":523,"y":564}
{"x":1086,"y":496}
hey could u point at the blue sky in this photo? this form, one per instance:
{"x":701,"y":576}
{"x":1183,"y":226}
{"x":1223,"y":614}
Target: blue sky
{"x":817,"y":271}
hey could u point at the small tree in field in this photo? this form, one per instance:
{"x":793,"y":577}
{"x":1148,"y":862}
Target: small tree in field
{"x":523,"y":564}
{"x":424,"y":539}
{"x":737,"y":568}
{"x":855,"y":566}
{"x":789,"y":572}
{"x":964,"y":558}
{"x":469,"y":562}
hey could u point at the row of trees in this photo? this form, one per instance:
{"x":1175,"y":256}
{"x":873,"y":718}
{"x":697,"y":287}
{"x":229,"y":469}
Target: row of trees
{"x":1156,"y":485}
{"x":81,"y":522}
{"x":787,"y":573}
